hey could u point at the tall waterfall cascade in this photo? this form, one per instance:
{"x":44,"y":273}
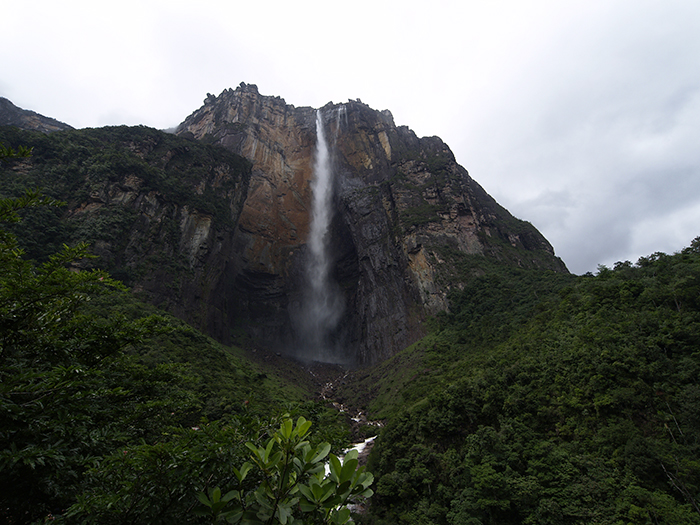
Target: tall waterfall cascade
{"x":323,"y":302}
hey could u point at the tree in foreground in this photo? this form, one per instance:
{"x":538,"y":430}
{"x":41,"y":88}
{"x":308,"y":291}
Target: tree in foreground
{"x":287,"y":482}
{"x":60,"y":403}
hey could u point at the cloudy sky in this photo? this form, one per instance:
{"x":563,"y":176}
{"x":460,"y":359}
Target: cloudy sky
{"x":582,"y":117}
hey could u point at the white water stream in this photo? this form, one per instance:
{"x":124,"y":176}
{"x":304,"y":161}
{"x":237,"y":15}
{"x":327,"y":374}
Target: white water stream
{"x":360,"y":447}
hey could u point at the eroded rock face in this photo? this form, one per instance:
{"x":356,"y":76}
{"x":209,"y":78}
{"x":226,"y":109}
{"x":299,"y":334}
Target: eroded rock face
{"x":274,"y":223}
{"x":174,"y":253}
{"x":159,"y":212}
{"x":223,"y":245}
{"x":400,"y":200}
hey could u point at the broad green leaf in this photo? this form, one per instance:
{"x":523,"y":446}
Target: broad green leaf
{"x":202,"y":497}
{"x":262,"y":500}
{"x":294,"y":489}
{"x":328,"y":491}
{"x":341,"y":515}
{"x":250,"y":517}
{"x":286,"y":429}
{"x":321,"y":452}
{"x":229,"y":496}
{"x":284,"y":513}
{"x":317,"y":491}
{"x":307,"y":492}
{"x":306,"y":506}
{"x":336,"y":468}
{"x":344,"y":486}
{"x":299,"y":464}
{"x":274,"y":460}
{"x":317,"y":470}
{"x":349,"y":466}
{"x":255,"y":450}
{"x":302,"y":445}
{"x":229,"y":515}
{"x":303,"y":427}
{"x":217,"y":507}
{"x":241,"y":474}
{"x":268,"y":450}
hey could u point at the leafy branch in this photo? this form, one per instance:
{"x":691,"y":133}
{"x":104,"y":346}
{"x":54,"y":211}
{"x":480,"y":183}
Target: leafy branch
{"x":290,"y":484}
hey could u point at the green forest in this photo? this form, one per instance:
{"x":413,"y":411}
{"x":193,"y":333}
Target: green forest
{"x":543,"y":399}
{"x":538,"y":398}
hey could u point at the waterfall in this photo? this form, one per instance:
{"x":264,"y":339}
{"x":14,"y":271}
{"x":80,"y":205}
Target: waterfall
{"x":323,"y":302}
{"x":341,"y":117}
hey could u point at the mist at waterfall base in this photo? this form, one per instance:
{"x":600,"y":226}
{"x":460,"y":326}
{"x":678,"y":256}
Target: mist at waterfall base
{"x":322,"y":300}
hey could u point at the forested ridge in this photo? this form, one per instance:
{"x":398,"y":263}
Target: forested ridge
{"x":550,"y":399}
{"x":540,"y":397}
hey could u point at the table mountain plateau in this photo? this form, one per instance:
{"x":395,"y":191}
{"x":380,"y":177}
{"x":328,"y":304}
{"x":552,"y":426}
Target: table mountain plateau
{"x":223,"y":243}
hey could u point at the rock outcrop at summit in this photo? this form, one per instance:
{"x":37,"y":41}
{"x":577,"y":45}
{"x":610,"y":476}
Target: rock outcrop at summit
{"x":403,"y":204}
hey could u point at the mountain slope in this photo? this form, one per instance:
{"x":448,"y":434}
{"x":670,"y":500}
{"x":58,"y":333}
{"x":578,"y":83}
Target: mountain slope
{"x":223,"y":243}
{"x":158,"y":210}
{"x":11,"y":115}
{"x":546,"y":400}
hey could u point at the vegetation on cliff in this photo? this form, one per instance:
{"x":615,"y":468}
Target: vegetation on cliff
{"x":159,"y":212}
{"x":100,"y":173}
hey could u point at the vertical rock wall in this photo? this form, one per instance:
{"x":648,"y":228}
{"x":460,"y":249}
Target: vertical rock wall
{"x":398,"y":199}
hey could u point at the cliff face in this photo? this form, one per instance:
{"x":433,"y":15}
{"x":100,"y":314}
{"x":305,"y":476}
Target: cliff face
{"x":158,"y":211}
{"x":222,"y":241}
{"x":401,"y":203}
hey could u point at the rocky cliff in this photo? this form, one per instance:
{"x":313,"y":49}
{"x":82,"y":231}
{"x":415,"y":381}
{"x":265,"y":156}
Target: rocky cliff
{"x":11,"y":115}
{"x":403,"y":207}
{"x":158,"y":211}
{"x":222,"y":241}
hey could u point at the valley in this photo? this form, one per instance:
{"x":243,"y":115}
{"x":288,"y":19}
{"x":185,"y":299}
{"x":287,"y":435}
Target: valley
{"x":160,"y":331}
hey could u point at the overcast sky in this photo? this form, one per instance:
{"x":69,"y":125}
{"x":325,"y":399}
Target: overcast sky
{"x":582,"y":117}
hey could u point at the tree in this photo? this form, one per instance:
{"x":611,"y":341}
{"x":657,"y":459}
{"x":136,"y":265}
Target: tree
{"x":11,"y":153}
{"x":290,"y":484}
{"x":91,"y":432}
{"x":56,"y":401}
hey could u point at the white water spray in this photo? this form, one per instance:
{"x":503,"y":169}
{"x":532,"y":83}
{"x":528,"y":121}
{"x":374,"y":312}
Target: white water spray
{"x":323,"y":303}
